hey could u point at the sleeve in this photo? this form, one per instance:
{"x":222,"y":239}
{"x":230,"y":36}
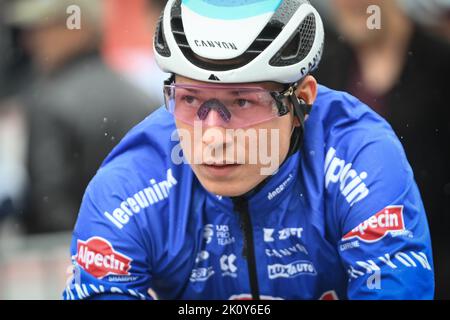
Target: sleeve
{"x":384,"y":241}
{"x":110,"y":260}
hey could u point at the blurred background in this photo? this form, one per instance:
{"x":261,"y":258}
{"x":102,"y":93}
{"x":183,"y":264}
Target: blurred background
{"x":67,"y":96}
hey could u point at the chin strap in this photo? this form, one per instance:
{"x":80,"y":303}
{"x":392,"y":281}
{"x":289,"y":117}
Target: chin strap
{"x":301,"y":110}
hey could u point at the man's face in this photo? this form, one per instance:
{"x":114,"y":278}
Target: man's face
{"x":231,"y":162}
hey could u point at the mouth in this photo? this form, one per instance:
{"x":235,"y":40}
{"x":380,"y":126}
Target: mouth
{"x":220,"y":169}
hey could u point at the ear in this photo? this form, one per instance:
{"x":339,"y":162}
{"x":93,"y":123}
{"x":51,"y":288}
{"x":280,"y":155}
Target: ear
{"x":306,"y":91}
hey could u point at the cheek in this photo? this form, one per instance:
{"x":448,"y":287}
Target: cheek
{"x":280,"y":138}
{"x":186,"y":135}
{"x":273,"y":143}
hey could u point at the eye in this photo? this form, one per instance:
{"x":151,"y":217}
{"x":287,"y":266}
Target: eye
{"x":242,"y":103}
{"x":189,"y":99}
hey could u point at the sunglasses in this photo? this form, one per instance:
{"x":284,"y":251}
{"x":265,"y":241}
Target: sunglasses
{"x":225,"y":106}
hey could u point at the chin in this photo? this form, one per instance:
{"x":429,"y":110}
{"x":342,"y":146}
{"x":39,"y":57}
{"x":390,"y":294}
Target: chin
{"x":225,"y":189}
{"x":236,"y":183}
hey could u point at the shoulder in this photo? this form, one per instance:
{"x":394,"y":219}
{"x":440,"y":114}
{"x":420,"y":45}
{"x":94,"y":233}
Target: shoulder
{"x":341,"y":121}
{"x":339,"y":109}
{"x":138,"y":175}
{"x":357,"y":156}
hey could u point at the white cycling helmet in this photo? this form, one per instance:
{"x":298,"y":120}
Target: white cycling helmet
{"x":239,"y":41}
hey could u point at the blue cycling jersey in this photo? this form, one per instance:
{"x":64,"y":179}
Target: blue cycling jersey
{"x":341,"y":219}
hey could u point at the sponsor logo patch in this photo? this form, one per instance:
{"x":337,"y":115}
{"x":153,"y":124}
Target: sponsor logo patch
{"x":351,"y":183}
{"x":228,"y":266}
{"x":410,"y":259}
{"x":291,"y":270}
{"x":201,"y":274}
{"x":388,"y":220}
{"x":98,"y":257}
{"x":270,"y":235}
{"x":329,"y":295}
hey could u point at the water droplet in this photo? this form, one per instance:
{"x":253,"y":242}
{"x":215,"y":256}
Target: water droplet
{"x":105,"y":120}
{"x":106,"y":134}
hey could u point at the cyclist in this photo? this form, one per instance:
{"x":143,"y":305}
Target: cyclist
{"x":181,"y":209}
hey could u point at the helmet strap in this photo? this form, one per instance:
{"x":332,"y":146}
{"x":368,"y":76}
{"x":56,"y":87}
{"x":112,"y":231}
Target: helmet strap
{"x":170,"y":80}
{"x":301,"y":109}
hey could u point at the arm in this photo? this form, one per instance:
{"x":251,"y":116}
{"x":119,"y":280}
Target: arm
{"x":109,"y":263}
{"x":384,"y":238}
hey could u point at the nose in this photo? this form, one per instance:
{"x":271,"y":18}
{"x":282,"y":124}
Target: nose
{"x":214,"y":119}
{"x":215,"y":109}
{"x":216,"y":136}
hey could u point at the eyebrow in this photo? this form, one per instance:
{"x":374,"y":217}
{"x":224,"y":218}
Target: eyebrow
{"x":249,"y":90}
{"x":190,"y":89}
{"x":231,"y":91}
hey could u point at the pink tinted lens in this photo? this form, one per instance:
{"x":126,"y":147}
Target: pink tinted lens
{"x":228,"y":107}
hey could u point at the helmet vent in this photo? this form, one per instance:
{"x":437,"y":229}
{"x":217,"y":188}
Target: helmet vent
{"x":160,"y":41}
{"x":298,"y":46}
{"x":178,"y":33}
{"x":264,"y":39}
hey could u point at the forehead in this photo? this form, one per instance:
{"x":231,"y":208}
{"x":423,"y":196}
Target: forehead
{"x":265,"y":85}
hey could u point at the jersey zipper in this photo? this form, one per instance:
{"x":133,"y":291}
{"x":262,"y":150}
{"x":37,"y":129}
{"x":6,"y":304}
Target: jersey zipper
{"x":248,"y":251}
